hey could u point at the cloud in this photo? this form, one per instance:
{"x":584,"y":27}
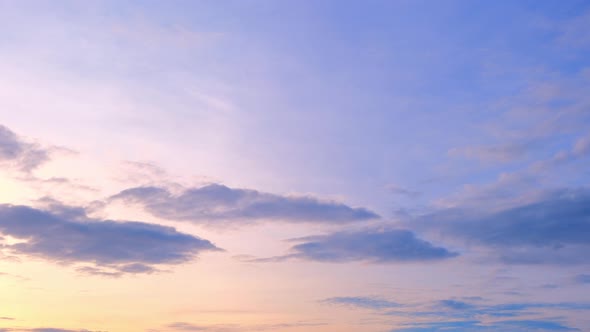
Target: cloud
{"x":16,"y":152}
{"x":475,"y":325}
{"x":455,"y":315}
{"x":43,"y":329}
{"x":134,"y":268}
{"x":494,"y":153}
{"x":361,"y":302}
{"x":373,"y":246}
{"x":450,"y":309}
{"x":50,"y":329}
{"x":66,"y":235}
{"x":582,"y":279}
{"x":403,"y":191}
{"x":572,"y":33}
{"x":552,"y":229}
{"x":455,"y":305}
{"x":582,"y":146}
{"x":218,"y":203}
{"x":579,"y":150}
{"x":183,"y":326}
{"x":10,"y":275}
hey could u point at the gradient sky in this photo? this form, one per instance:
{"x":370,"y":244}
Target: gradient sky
{"x":321,"y":166}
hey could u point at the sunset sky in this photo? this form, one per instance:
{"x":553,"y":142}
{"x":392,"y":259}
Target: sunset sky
{"x":294,"y":166}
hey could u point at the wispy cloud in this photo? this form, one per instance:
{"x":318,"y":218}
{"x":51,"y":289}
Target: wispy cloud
{"x":43,"y":329}
{"x":403,"y":191}
{"x":18,"y":153}
{"x":10,"y":275}
{"x":455,"y":305}
{"x":188,"y":327}
{"x":361,"y":302}
{"x":579,"y":150}
{"x":494,"y":153}
{"x":475,"y":325}
{"x":461,"y":315}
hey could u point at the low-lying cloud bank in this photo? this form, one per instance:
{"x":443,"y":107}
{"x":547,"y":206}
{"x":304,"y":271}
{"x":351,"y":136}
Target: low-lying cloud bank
{"x":218,"y":204}
{"x":65,"y":235}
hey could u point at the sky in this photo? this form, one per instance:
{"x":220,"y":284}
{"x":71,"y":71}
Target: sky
{"x":288,"y":166}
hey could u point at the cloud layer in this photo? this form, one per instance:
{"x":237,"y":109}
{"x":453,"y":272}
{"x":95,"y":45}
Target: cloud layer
{"x":217,"y":203}
{"x":64,"y":236}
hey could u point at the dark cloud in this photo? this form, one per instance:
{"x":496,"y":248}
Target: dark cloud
{"x":216,"y":203}
{"x":16,"y":152}
{"x":374,"y":246}
{"x":361,"y":302}
{"x":65,"y":235}
{"x":554,"y":228}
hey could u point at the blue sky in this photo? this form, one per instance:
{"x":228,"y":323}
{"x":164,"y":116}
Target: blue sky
{"x":375,"y":165}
